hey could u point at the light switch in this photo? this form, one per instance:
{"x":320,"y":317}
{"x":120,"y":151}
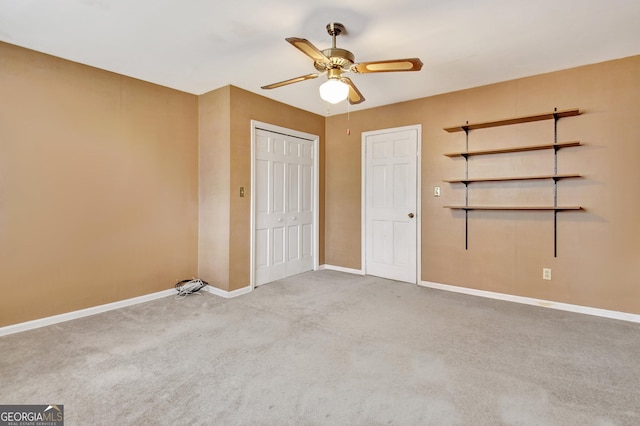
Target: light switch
{"x":436,"y":191}
{"x":242,"y":191}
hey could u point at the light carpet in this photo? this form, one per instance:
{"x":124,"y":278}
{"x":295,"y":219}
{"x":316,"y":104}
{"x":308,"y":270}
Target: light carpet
{"x":329,"y":348}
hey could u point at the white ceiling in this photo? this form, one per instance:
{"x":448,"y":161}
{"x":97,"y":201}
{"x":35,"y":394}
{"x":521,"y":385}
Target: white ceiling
{"x":200,"y":45}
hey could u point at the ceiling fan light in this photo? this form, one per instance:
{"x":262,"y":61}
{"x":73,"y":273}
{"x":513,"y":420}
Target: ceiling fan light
{"x":334,"y":91}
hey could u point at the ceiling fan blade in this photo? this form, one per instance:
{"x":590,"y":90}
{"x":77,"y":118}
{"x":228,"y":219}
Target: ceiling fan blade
{"x":355,"y":97}
{"x":309,"y":49}
{"x":410,"y":64}
{"x":291,"y":81}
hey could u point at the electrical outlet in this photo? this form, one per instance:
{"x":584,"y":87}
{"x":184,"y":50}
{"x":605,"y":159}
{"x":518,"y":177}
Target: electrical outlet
{"x":436,"y":191}
{"x":546,"y":274}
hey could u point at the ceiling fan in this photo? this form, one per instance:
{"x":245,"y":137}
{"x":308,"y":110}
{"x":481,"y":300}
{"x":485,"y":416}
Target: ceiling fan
{"x":334,"y":62}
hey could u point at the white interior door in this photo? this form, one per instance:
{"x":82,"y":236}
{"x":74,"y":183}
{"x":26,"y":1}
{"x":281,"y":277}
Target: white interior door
{"x":391,"y":223}
{"x":284,"y":205}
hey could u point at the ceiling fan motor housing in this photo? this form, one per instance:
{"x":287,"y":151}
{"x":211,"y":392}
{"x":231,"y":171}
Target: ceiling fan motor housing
{"x":339,"y":58}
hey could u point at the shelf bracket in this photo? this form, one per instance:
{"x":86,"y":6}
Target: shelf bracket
{"x":555,"y":181}
{"x":466,"y":188}
{"x":555,"y":233}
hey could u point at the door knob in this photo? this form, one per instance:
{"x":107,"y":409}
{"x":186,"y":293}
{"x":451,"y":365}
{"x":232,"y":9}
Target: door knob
{"x":410,"y":215}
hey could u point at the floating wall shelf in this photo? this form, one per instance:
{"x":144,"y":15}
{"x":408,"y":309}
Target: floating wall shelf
{"x":526,"y":208}
{"x":517,"y":120}
{"x":511,"y":178}
{"x":555,"y":116}
{"x":515,"y":149}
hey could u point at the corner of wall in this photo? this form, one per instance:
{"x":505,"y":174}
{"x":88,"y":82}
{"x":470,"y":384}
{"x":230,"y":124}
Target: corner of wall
{"x":214,"y":168}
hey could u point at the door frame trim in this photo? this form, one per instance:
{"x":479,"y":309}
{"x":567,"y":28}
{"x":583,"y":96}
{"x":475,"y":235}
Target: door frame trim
{"x":363,"y":208}
{"x":316,"y":189}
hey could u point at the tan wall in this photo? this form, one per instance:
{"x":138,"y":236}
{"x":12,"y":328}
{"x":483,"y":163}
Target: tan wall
{"x":225,"y":125}
{"x":598,"y":249}
{"x":214,"y":172}
{"x":98,"y":186}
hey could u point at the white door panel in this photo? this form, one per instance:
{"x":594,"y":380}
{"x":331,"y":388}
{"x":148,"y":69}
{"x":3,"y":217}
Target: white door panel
{"x":283,"y":206}
{"x":390,"y":199}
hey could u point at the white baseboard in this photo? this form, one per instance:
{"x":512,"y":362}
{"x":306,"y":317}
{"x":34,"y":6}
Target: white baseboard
{"x":228,"y":294}
{"x":55,"y":319}
{"x":624,"y":316}
{"x":42,"y":322}
{"x":341,"y":269}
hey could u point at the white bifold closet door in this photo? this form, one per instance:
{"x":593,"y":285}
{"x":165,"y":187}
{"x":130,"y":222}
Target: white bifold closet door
{"x":283,"y":206}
